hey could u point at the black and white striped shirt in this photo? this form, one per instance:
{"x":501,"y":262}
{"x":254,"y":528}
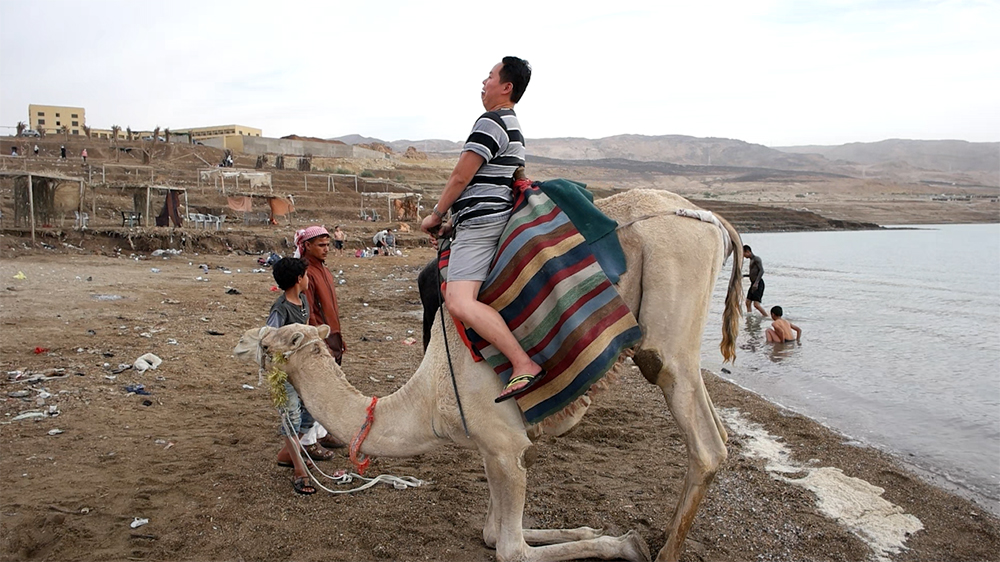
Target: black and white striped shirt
{"x":488,"y":198}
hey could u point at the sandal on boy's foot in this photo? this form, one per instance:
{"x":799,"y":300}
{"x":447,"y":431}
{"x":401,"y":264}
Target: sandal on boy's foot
{"x":318,"y":453}
{"x":331,"y":442}
{"x":302,"y":485}
{"x":517,"y":386}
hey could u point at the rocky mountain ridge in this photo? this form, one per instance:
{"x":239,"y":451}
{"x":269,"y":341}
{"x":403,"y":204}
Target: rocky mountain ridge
{"x":939,"y":155}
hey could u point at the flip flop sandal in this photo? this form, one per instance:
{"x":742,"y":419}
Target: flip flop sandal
{"x":331,"y":442}
{"x":302,"y":485}
{"x":318,"y":453}
{"x":507,"y":394}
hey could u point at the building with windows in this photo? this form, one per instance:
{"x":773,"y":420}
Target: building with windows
{"x":50,"y":119}
{"x":201,"y":133}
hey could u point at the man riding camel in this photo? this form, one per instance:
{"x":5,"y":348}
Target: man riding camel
{"x":480,"y":197}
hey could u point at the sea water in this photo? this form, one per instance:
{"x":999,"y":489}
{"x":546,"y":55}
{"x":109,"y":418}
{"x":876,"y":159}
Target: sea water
{"x":900,"y":346}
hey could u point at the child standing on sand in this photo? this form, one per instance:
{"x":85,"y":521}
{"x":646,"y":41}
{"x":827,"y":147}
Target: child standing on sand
{"x":338,"y":240}
{"x":781,"y":329}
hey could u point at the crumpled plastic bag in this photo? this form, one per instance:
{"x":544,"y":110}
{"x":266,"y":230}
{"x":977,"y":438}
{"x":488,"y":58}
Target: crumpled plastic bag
{"x":147,"y":361}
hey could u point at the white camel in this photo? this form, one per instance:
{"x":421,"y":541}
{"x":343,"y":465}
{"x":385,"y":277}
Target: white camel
{"x":673,"y":263}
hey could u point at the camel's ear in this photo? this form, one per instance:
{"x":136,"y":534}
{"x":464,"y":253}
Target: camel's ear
{"x":298,"y":338}
{"x":324,"y":331}
{"x":263,"y":332}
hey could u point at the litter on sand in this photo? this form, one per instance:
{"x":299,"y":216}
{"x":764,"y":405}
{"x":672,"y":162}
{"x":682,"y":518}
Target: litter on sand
{"x":137,"y":389}
{"x":55,"y":431}
{"x":138,"y":522}
{"x":147,"y":361}
{"x":247,"y":387}
{"x":20,"y":276}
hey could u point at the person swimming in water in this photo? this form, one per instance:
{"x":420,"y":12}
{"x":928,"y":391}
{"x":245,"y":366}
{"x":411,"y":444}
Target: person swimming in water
{"x":781,"y":329}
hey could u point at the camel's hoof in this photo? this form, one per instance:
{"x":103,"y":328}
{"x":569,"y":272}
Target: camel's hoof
{"x":636,"y":549}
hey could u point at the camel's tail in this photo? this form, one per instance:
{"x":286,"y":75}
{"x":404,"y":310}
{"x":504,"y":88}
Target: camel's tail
{"x":731,"y":314}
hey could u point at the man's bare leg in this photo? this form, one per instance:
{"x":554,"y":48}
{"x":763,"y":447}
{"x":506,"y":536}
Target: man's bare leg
{"x":487,"y":322}
{"x":760,"y":309}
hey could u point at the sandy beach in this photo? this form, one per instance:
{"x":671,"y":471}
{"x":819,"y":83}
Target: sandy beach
{"x":196,"y":456}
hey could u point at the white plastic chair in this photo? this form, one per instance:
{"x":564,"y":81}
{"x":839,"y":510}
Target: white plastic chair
{"x":81,"y":219}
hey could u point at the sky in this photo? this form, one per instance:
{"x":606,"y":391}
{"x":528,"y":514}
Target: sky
{"x":772,"y":72}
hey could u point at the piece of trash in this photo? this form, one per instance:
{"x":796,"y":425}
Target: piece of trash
{"x":274,"y":289}
{"x":373,"y":379}
{"x":247,"y":387}
{"x":137,"y":389}
{"x":138,"y":522}
{"x":342,"y":281}
{"x":388,"y":338}
{"x":390,"y":377}
{"x":725,"y":370}
{"x":41,"y":350}
{"x":215,"y":333}
{"x":409,"y":332}
{"x":20,"y":275}
{"x":365,"y":304}
{"x":108,"y":297}
{"x":18,"y":394}
{"x":171,"y":341}
{"x":154,"y":270}
{"x":111,"y":377}
{"x":55,"y":431}
{"x":170,"y":301}
{"x":232,"y":291}
{"x":169,"y":445}
{"x":147,"y":402}
{"x":147,"y":361}
{"x":203,"y":319}
{"x":410,"y":341}
{"x":145,"y":335}
{"x":258,"y":270}
{"x":91,"y":333}
{"x":29,"y":415}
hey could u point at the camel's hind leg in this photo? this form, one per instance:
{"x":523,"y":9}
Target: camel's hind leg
{"x":672,"y":314}
{"x":507,"y":477}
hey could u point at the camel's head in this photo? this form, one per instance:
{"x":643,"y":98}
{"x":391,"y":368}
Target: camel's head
{"x":248,"y":347}
{"x":291,"y":338}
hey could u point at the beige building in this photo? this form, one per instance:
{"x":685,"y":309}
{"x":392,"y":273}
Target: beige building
{"x":51,"y":118}
{"x":201,"y":133}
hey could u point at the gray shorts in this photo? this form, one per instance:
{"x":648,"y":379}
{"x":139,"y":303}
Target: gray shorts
{"x":473,"y":249}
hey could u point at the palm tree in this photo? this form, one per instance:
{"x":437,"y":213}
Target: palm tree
{"x":21,"y":126}
{"x":65,"y":131}
{"x":128,"y":132}
{"x":86,"y":131}
{"x":115,"y":129}
{"x":166,"y":134}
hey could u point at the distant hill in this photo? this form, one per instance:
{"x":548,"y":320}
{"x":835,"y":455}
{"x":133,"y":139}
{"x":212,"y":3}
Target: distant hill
{"x":429,"y":145}
{"x":676,"y":149}
{"x":943,"y":155}
{"x":894,"y":156}
{"x":357,"y":139}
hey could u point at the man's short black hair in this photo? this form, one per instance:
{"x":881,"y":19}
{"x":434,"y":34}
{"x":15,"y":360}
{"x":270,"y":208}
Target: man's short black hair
{"x":776,"y":310}
{"x":747,"y":249}
{"x":287,"y":272}
{"x":517,"y":72}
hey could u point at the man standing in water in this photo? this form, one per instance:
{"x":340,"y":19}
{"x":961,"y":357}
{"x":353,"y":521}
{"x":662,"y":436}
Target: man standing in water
{"x":756,"y":292}
{"x":480,"y":198}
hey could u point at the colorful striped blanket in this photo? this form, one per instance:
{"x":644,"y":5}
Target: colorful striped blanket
{"x":550,"y":289}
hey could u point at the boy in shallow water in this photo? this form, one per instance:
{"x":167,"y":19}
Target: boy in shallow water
{"x":781,"y":329}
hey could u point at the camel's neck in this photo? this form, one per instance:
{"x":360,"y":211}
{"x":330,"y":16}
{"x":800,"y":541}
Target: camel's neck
{"x":403,"y":420}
